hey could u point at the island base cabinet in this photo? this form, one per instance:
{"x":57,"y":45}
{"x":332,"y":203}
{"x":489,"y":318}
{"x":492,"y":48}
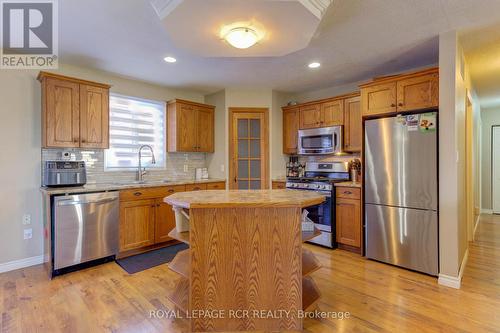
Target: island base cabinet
{"x":226,"y":259}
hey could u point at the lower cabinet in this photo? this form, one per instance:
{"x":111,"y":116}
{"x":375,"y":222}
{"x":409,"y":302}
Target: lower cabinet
{"x":278,"y":185}
{"x":137,"y":224}
{"x":145,"y":220}
{"x":348,"y":218}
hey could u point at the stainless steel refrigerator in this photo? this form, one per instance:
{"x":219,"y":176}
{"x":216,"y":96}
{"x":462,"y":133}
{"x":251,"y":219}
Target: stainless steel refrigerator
{"x":401,"y":191}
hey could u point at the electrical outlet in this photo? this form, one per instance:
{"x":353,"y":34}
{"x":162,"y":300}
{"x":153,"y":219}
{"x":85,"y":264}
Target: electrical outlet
{"x":222,"y":168}
{"x":186,"y":169}
{"x":26,"y":219}
{"x":28,"y":234}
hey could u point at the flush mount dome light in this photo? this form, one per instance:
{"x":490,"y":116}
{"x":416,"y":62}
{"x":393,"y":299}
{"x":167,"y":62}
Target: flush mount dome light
{"x":242,"y":37}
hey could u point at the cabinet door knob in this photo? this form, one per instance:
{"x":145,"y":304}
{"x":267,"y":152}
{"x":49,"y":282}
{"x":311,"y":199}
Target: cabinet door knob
{"x":393,"y":105}
{"x":400,"y":104}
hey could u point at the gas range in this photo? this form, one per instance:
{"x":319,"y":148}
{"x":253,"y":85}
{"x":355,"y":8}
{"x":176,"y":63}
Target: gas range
{"x":321,"y":177}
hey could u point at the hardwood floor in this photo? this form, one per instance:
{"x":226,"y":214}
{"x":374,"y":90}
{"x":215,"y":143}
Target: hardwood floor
{"x":379,"y":298}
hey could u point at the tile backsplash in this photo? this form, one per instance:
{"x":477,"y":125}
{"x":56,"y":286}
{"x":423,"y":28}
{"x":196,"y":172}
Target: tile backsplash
{"x":94,"y":160}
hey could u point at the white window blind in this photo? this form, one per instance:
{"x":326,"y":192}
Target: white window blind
{"x":135,"y":122}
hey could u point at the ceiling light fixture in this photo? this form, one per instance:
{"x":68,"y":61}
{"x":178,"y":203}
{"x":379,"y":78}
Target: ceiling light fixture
{"x":242,"y":37}
{"x":170,"y":60}
{"x":314,"y":65}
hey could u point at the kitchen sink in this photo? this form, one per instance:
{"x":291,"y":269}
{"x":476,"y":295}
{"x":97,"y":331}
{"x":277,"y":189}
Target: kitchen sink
{"x":140,"y":182}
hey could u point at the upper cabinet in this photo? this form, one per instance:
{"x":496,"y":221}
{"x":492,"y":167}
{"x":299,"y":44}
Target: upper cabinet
{"x":190,"y":127}
{"x":400,"y":93}
{"x":290,"y":130}
{"x":310,"y":116}
{"x":353,"y":124}
{"x":75,"y":113}
{"x":332,"y":113}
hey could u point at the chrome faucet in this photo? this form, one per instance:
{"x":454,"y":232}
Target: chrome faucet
{"x":142,"y":171}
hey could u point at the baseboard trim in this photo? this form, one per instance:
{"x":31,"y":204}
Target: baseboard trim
{"x":21,"y":263}
{"x":486,"y":211}
{"x":454,"y":281}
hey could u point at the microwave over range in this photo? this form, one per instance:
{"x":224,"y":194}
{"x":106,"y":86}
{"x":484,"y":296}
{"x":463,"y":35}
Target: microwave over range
{"x":320,"y":141}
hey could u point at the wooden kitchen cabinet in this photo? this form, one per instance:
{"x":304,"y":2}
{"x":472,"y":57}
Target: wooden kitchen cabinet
{"x":94,"y":117}
{"x":310,"y":116}
{"x":420,"y":92}
{"x":216,"y":186}
{"x":165,"y":216}
{"x":137,"y":224}
{"x":401,"y":93}
{"x":196,"y":187}
{"x":190,"y":127}
{"x":332,"y":113}
{"x":278,"y":185}
{"x":348,"y":218}
{"x":379,"y":99}
{"x":75,"y":113}
{"x":290,"y":130}
{"x":353,"y":125}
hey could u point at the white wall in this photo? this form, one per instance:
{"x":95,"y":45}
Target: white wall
{"x":21,"y":155}
{"x":489,"y":117}
{"x":452,"y":153}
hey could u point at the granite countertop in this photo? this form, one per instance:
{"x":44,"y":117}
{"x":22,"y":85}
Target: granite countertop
{"x":245,"y":199}
{"x":348,"y":184}
{"x":102,"y":187}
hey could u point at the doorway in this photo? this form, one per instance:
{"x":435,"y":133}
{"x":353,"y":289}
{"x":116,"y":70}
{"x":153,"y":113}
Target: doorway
{"x":495,"y":169}
{"x":248,"y":148}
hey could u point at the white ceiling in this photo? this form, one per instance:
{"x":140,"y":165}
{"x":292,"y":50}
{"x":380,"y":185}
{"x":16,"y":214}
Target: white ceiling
{"x":357,"y":39}
{"x":196,"y":25}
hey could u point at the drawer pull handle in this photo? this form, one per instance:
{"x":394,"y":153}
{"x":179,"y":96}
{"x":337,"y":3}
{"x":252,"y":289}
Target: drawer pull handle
{"x":347,"y":192}
{"x":137,"y":194}
{"x":171,"y":191}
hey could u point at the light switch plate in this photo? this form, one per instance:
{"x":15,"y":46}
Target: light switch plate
{"x":28,"y":234}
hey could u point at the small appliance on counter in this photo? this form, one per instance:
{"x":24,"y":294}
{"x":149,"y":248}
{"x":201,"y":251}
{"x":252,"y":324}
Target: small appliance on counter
{"x":64,"y":173}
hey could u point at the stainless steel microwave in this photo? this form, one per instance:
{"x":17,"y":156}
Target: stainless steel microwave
{"x":320,"y":141}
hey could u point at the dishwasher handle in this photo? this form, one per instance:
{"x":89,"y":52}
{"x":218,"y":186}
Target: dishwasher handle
{"x":71,"y":202}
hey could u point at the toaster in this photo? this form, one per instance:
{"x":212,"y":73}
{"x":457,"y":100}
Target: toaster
{"x":64,"y":173}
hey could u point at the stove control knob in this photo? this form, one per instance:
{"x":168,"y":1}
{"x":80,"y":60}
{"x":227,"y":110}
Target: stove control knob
{"x":321,"y":187}
{"x":305,"y":185}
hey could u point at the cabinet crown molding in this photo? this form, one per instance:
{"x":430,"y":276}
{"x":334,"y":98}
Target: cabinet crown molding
{"x":43,"y":75}
{"x":396,"y":77}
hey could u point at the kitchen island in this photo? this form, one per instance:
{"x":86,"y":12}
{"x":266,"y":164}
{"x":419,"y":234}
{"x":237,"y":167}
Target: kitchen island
{"x":245,"y":269}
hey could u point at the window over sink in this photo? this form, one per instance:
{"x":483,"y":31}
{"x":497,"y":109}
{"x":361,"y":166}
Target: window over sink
{"x":134,"y":122}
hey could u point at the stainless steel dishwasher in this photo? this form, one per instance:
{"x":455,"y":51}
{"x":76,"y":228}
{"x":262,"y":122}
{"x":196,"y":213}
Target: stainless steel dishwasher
{"x":85,"y":228}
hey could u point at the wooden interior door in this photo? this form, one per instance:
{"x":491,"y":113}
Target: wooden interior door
{"x":353,"y":125}
{"x":94,"y":117}
{"x":62,"y":113}
{"x":332,"y":113}
{"x":310,"y":116}
{"x":137,"y":224}
{"x":419,"y":92}
{"x":290,"y":131}
{"x":205,"y":123}
{"x":379,"y":99}
{"x":187,"y":135}
{"x":249,"y":154}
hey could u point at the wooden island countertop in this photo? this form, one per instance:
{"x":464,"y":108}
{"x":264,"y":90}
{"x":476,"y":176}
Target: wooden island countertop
{"x":245,"y":262}
{"x":245,"y":198}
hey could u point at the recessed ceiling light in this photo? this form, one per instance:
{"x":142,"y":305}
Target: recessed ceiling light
{"x":170,"y":60}
{"x":314,"y":65}
{"x":242,"y":37}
